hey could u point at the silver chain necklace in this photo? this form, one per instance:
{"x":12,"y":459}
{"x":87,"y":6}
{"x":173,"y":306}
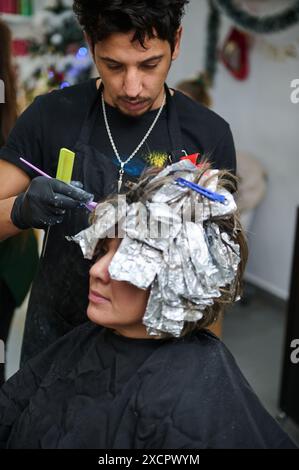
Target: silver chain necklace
{"x":122,"y":163}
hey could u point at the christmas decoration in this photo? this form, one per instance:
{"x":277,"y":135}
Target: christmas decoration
{"x":235,"y":54}
{"x":213,"y":29}
{"x":56,"y":29}
{"x":59,"y":56}
{"x":235,"y":51}
{"x":278,"y":53}
{"x":265,"y":24}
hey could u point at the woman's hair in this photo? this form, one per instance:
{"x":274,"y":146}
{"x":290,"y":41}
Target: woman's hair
{"x":197,"y":89}
{"x":148,"y":18}
{"x":8,"y":110}
{"x":144,"y":190}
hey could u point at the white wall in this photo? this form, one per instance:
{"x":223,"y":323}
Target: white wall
{"x":266,"y":124}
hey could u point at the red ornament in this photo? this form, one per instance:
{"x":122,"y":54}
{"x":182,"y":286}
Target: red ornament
{"x":235,"y":54}
{"x":20,"y":47}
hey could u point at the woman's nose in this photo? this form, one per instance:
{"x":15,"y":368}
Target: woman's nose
{"x":100,"y":269}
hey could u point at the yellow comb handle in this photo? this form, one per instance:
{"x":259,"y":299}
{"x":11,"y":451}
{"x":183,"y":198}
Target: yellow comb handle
{"x":65,"y":165}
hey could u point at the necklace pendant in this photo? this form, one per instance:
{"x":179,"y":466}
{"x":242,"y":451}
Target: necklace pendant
{"x":120,"y":180}
{"x":121,"y":171}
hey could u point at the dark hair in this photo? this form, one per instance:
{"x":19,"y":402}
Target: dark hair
{"x":197,"y":89}
{"x":148,"y":18}
{"x":8,"y":110}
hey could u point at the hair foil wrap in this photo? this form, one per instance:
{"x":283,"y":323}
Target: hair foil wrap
{"x":185,"y":260}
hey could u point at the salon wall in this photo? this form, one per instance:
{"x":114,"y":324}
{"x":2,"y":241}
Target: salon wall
{"x":265,"y":123}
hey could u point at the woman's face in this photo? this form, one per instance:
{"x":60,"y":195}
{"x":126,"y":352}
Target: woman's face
{"x":115,"y":304}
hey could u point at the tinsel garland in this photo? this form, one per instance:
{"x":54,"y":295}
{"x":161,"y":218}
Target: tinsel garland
{"x":265,"y":24}
{"x":212,"y":42}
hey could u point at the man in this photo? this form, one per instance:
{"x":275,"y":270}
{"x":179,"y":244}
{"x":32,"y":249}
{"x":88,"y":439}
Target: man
{"x":117,"y":126}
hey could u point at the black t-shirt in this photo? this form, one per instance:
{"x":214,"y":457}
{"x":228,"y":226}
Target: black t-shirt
{"x":95,"y":390}
{"x":55,"y":120}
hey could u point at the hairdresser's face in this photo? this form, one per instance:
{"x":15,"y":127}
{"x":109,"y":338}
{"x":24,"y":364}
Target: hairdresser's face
{"x":134,"y":76}
{"x":114,"y":304}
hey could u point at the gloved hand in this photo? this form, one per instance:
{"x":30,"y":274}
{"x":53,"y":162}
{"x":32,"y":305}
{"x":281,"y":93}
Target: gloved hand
{"x":45,"y":203}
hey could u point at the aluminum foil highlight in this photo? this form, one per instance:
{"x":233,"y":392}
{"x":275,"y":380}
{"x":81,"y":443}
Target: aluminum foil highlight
{"x":185,"y":262}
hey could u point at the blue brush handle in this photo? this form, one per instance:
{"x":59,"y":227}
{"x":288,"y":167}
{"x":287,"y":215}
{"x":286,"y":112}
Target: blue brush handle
{"x":203,"y":191}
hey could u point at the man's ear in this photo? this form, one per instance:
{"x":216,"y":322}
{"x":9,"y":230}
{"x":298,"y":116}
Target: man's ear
{"x":177,"y":43}
{"x":90,"y":43}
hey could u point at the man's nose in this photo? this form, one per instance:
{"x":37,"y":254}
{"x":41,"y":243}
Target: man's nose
{"x":132,"y":83}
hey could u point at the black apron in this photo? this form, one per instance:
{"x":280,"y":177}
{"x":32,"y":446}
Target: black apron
{"x":59,"y":296}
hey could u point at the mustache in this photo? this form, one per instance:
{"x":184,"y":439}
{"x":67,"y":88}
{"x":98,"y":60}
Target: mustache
{"x":134,"y":100}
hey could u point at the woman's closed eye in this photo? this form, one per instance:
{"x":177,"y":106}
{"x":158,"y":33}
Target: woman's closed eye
{"x":100,"y":251}
{"x":108,"y":245}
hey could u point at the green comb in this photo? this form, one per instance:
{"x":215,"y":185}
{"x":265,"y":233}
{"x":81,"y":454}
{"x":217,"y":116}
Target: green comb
{"x":65,"y":165}
{"x":64,"y":173}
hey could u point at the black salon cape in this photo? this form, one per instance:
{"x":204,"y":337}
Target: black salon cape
{"x":94,"y":389}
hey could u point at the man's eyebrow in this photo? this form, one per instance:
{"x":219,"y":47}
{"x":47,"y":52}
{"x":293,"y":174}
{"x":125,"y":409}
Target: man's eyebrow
{"x":150,"y":59}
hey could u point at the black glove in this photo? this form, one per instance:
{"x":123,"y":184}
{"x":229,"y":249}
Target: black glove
{"x":45,"y":202}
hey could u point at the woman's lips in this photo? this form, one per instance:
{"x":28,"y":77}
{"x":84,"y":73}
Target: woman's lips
{"x":96,"y":298}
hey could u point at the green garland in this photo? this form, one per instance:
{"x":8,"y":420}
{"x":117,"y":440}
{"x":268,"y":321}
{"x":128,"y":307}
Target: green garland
{"x":212,"y":42}
{"x":266,"y":24}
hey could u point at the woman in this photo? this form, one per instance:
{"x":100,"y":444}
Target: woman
{"x":153,"y":377}
{"x":18,"y":255}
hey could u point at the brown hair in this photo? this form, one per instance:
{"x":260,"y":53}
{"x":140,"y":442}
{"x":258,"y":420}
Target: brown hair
{"x":8,"y":110}
{"x":197,"y":89}
{"x":146,"y":188}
